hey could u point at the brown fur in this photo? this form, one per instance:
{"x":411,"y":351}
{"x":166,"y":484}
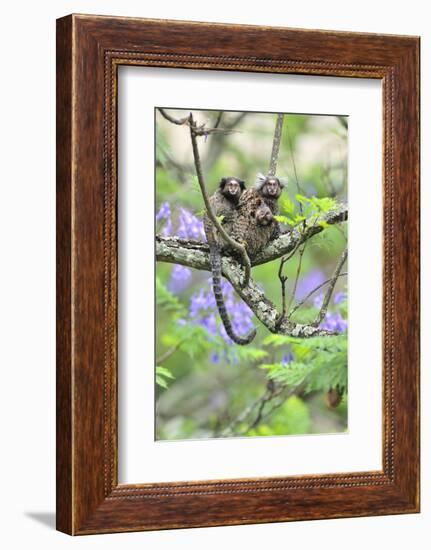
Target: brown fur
{"x":254,"y":224}
{"x":224,"y":203}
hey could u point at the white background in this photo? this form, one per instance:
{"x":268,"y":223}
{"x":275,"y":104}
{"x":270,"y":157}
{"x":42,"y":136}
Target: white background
{"x":141,"y":458}
{"x":27,"y":277}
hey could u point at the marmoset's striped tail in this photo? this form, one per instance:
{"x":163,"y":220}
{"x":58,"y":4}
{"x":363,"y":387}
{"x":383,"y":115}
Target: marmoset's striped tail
{"x":215,"y":260}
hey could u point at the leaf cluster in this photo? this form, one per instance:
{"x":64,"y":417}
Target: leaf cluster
{"x":319,"y":364}
{"x":311,"y":209}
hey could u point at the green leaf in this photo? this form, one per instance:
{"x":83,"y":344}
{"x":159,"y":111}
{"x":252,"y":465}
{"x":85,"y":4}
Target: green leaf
{"x":161,"y":382}
{"x":287,"y":206}
{"x":284,"y":219}
{"x":163,"y":371}
{"x":320,"y":363}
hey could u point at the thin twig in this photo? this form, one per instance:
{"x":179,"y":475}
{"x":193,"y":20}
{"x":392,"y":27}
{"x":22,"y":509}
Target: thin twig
{"x":178,"y":121}
{"x":302,"y":302}
{"x":324,"y":308}
{"x":231,"y":242}
{"x":201,"y":130}
{"x":270,"y":387}
{"x":217,"y":122}
{"x":298,"y":272}
{"x":165,"y":356}
{"x":229,"y":430}
{"x":271,"y":393}
{"x":283,"y":280}
{"x":217,"y":144}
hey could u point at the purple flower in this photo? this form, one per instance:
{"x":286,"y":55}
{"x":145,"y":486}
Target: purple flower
{"x":210,"y":324}
{"x":287,"y":358}
{"x":167,"y":230}
{"x":334,"y":322}
{"x":203,"y":310}
{"x":180,"y":278}
{"x":318,"y":301}
{"x":191,"y":227}
{"x":164,"y":214}
{"x":339,"y":297}
{"x":201,"y":302}
{"x":309,"y":283}
{"x":215,"y":358}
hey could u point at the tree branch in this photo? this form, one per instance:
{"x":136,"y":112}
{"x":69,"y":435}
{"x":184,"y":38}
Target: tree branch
{"x":276,"y":145}
{"x":195,"y":254}
{"x":191,"y":253}
{"x":201,"y":130}
{"x":291,"y":240}
{"x":318,"y":287}
{"x":281,"y":393}
{"x":298,"y":272}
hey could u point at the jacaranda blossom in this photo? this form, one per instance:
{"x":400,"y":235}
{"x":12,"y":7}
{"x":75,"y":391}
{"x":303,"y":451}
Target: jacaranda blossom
{"x":308,"y":283}
{"x":180,"y":278}
{"x":190,"y":226}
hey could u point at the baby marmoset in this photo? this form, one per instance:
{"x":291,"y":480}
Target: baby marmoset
{"x":253,"y":225}
{"x":224,"y":203}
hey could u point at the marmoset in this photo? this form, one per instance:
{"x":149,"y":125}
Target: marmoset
{"x":224,"y":203}
{"x":268,"y":188}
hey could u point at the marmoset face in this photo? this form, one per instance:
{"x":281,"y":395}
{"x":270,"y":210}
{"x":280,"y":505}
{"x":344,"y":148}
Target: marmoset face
{"x":263,"y":214}
{"x":271,"y":188}
{"x":233,"y":188}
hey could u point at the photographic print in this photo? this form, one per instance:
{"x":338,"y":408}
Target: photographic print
{"x":251,"y":274}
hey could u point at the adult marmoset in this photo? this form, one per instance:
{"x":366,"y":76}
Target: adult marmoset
{"x":224,"y":203}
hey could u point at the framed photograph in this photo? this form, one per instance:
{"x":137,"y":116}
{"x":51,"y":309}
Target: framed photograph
{"x":237,"y":274}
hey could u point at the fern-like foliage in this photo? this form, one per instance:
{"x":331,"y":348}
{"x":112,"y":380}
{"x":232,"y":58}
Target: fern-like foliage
{"x":319,"y":363}
{"x":167,"y":300}
{"x":312,"y":210}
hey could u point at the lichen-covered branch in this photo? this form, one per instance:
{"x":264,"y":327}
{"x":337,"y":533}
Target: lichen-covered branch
{"x":276,"y":145}
{"x":195,"y":254}
{"x":291,"y":240}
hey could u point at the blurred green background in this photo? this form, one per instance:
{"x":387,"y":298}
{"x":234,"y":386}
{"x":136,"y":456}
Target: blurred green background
{"x":205,"y":385}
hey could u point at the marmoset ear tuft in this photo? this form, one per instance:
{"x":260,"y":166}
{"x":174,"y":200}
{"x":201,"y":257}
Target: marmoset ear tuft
{"x":260,"y":180}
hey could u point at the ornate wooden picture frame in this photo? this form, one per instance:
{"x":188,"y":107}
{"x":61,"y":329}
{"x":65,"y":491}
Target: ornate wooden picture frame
{"x":89,"y":51}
